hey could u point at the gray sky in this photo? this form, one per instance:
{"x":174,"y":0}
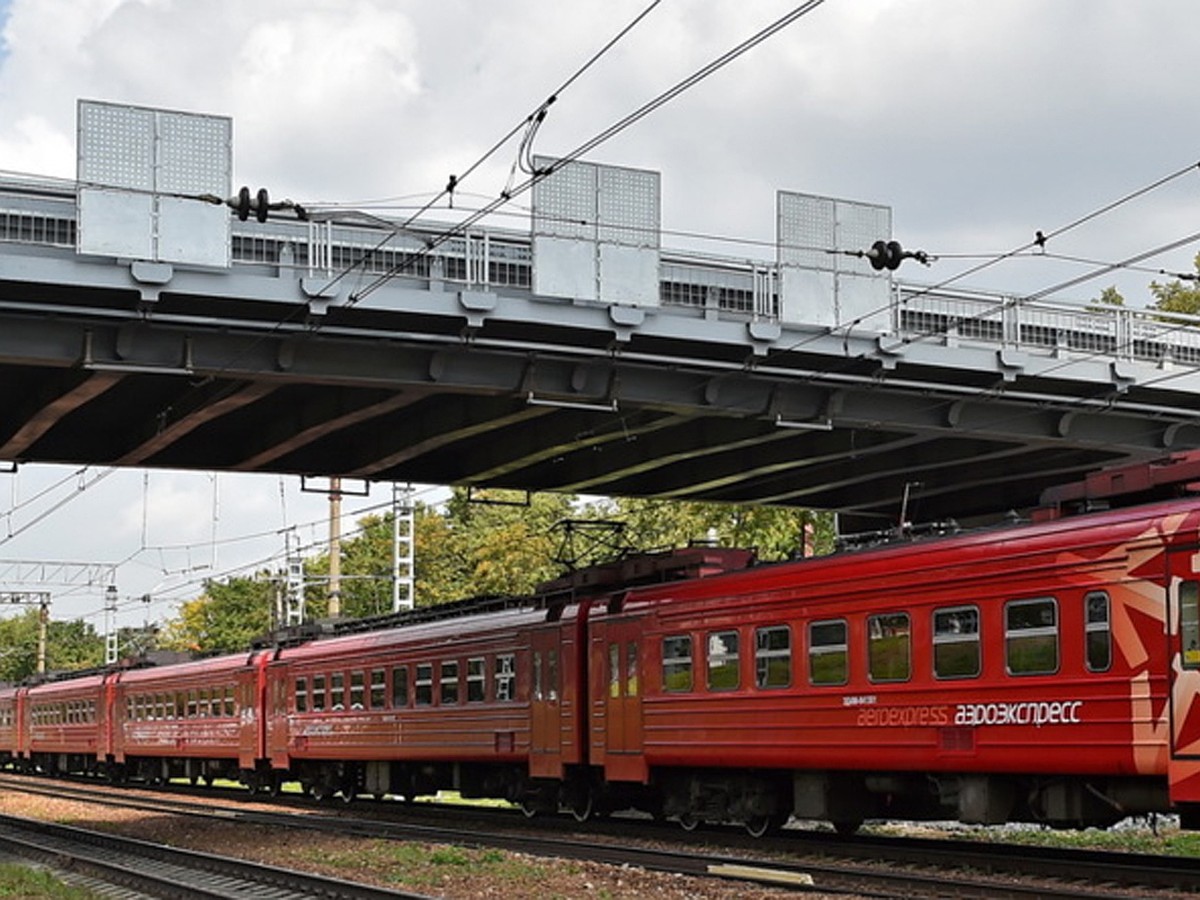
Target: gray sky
{"x":977,"y":122}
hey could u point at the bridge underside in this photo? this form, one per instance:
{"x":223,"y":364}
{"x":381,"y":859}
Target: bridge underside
{"x":219,"y":383}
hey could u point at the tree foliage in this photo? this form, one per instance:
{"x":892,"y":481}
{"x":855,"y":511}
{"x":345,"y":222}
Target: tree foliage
{"x":492,"y":542}
{"x":225,"y":618}
{"x":1176,"y":296}
{"x":70,"y":645}
{"x":775,"y":532}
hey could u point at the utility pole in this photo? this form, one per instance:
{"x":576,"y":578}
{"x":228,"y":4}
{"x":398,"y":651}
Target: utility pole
{"x":110,"y":624}
{"x":335,"y":547}
{"x":293,"y":590}
{"x":403,"y":584}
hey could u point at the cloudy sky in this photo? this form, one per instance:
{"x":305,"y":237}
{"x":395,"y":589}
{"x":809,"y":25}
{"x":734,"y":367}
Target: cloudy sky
{"x":978,"y":122}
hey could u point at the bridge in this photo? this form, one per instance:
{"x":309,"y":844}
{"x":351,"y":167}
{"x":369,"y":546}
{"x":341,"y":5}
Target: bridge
{"x":145,"y":322}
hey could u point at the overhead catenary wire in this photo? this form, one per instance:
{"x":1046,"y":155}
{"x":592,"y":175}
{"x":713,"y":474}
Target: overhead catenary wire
{"x":533,"y":120}
{"x":607,"y":134}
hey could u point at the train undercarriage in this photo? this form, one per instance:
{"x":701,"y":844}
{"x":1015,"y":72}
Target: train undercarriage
{"x":761,"y":801}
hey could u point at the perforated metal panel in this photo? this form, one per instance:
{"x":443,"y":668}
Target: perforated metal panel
{"x":564,"y":204}
{"x":596,"y":233}
{"x":143,"y":173}
{"x":805,"y":230}
{"x":628,"y":204}
{"x":821,"y":281}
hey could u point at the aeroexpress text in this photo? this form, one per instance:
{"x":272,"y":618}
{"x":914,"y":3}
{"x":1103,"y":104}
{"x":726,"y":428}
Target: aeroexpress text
{"x":1033,"y":712}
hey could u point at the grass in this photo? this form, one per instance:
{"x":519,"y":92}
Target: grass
{"x":1128,"y":837}
{"x":423,"y":866}
{"x":18,"y":882}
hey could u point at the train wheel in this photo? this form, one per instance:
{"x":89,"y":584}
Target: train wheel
{"x":348,"y":794}
{"x":757,"y":826}
{"x":689,"y":821}
{"x":583,"y":805}
{"x":530,"y":807}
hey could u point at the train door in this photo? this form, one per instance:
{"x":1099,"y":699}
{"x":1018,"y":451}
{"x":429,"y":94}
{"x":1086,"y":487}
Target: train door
{"x":251,"y":700}
{"x":545,"y":698}
{"x":1183,"y":611}
{"x":276,"y":699}
{"x":624,"y":760}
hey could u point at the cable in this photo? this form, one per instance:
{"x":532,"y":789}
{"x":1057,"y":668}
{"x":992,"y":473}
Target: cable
{"x":605,"y":135}
{"x":530,"y":123}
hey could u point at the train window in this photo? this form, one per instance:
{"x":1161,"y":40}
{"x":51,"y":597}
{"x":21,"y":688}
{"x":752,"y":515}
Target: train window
{"x":506,"y":676}
{"x":828,"y":656}
{"x":773,"y":657}
{"x":552,"y":675}
{"x":631,"y":669}
{"x":1031,"y":636}
{"x":723,"y":669}
{"x":400,"y":687}
{"x":181,"y":704}
{"x":614,"y":670}
{"x":357,"y":690}
{"x":318,"y":693}
{"x":677,"y":663}
{"x":538,"y":691}
{"x":1097,"y":632}
{"x":476,"y":680}
{"x":337,"y":691}
{"x":449,"y":683}
{"x":956,"y":642}
{"x":424,"y":684}
{"x":230,"y":707}
{"x":889,"y":647}
{"x":301,"y":692}
{"x":378,"y":688}
{"x":1189,"y":623}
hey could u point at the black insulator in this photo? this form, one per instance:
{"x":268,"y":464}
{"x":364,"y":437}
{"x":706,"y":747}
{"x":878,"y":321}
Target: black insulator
{"x":243,"y":203}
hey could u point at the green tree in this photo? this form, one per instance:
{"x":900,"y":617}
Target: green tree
{"x":775,"y":532}
{"x":1109,"y":297}
{"x":70,"y":645}
{"x":225,"y":618}
{"x":1177,"y":297}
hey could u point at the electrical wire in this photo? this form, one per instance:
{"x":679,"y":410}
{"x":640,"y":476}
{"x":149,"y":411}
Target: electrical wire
{"x":603,"y":136}
{"x":530,"y":124}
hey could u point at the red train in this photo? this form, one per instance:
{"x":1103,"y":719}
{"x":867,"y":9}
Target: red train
{"x":1041,"y":672}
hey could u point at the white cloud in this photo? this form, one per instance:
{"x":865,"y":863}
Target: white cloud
{"x":977,"y":122}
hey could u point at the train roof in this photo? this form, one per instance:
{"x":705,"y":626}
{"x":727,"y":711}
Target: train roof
{"x":894,"y":564}
{"x":430,"y":633}
{"x":208,"y":666}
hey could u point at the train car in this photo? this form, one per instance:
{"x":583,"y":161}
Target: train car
{"x":62,"y":725}
{"x":485,"y":703}
{"x":1046,"y":673}
{"x":10,"y":720}
{"x":196,"y":720}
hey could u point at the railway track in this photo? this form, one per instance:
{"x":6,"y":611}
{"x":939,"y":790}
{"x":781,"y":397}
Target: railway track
{"x":873,"y":867}
{"x":156,"y":870}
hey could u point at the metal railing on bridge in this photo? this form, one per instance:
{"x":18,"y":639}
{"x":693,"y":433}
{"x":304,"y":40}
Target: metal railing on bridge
{"x":42,"y":213}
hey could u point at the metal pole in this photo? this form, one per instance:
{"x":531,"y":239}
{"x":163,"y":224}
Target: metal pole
{"x":403,"y":535}
{"x":43,"y":622}
{"x":110,"y":624}
{"x":335,"y":547}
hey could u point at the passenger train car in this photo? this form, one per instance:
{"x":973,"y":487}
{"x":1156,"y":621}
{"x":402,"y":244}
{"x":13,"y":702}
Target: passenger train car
{"x":1044,"y":672}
